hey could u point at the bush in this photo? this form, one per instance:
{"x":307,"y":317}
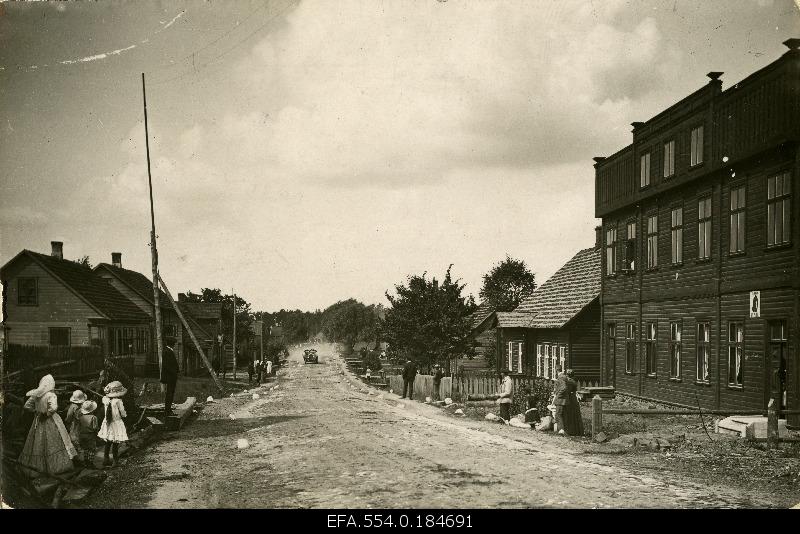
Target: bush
{"x":372,"y":360}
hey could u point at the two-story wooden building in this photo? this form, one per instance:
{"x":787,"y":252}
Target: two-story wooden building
{"x":51,"y":301}
{"x":700,"y":299}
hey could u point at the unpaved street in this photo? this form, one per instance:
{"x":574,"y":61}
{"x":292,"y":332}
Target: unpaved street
{"x":317,"y":442}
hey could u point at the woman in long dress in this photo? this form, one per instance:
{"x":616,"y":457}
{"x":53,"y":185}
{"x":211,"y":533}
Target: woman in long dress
{"x":48,"y":447}
{"x":573,"y":421}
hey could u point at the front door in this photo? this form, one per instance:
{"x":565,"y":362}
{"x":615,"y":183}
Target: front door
{"x":777,"y":354}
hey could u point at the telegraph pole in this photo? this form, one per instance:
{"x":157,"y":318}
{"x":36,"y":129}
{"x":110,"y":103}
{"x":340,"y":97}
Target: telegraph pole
{"x":153,"y":250}
{"x":234,"y":334}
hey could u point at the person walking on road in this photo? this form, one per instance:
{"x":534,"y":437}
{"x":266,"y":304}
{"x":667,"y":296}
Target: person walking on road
{"x":251,"y":369}
{"x":409,"y":374}
{"x":437,"y":381}
{"x":506,"y":392}
{"x":573,"y":421}
{"x":169,"y":374}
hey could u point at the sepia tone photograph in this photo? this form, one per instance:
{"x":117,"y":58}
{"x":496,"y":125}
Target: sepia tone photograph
{"x":400,"y":261}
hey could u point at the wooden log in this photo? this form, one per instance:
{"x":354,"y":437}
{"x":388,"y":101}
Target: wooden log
{"x":772,"y":424}
{"x":182,"y":413}
{"x":597,"y":416}
{"x":482,"y":397}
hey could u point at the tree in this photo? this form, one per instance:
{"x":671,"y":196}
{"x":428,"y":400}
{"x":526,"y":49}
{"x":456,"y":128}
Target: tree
{"x":507,"y":284}
{"x":429,"y":322}
{"x":349,"y":321}
{"x":84,"y":262}
{"x":244,"y":316}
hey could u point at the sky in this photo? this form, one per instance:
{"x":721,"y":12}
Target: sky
{"x":305,"y":152}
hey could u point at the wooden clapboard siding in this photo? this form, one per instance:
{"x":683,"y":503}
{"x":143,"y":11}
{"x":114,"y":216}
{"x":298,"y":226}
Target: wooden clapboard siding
{"x":57,"y":307}
{"x":583,"y":352}
{"x":620,"y":314}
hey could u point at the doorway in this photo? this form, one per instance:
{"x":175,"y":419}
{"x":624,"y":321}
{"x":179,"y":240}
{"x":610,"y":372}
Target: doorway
{"x":777,"y":355}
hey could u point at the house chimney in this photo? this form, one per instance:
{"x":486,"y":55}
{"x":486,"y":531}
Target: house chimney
{"x":116,"y":259}
{"x":598,"y":237}
{"x":57,"y":249}
{"x":181,"y":297}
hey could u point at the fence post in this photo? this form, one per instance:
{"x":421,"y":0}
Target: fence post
{"x":772,"y":424}
{"x":597,"y":416}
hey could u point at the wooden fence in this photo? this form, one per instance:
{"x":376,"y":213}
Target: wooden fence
{"x":423,"y":386}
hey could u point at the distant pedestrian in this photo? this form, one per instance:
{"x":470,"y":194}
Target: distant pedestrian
{"x":47,"y":447}
{"x":437,"y":381}
{"x":113,"y":431}
{"x":560,"y":399}
{"x":506,"y":392}
{"x":409,"y":374}
{"x":573,"y":420}
{"x":87,"y":431}
{"x":269,"y":367}
{"x":251,"y":369}
{"x":169,"y":374}
{"x":257,"y":370}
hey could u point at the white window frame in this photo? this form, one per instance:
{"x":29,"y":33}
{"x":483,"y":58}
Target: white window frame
{"x":779,"y":202}
{"x":704,"y":228}
{"x":512,"y":345}
{"x":562,"y":357}
{"x":539,"y":362}
{"x":696,"y":151}
{"x":554,"y":361}
{"x":644,"y":170}
{"x":669,"y":159}
{"x":676,"y":231}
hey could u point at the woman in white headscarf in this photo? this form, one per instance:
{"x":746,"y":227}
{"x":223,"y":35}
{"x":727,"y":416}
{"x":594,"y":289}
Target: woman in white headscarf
{"x":48,"y":447}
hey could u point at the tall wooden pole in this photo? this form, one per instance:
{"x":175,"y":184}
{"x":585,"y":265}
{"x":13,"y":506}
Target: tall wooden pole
{"x":153,"y":250}
{"x":234,"y":334}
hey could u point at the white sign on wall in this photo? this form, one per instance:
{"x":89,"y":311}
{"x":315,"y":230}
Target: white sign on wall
{"x":755,"y":304}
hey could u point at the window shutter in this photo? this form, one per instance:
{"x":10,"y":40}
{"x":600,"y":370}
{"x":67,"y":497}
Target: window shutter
{"x":510,"y":355}
{"x":538,"y":360}
{"x":563,"y":357}
{"x":519,"y":357}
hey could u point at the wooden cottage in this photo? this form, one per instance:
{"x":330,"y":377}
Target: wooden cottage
{"x":557,"y":325}
{"x":50,"y":301}
{"x":701,"y":264}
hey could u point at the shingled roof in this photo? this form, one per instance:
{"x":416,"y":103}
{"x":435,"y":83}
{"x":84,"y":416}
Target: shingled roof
{"x":203,"y":310}
{"x":566,"y":293}
{"x":138,"y":282}
{"x":93,"y":289}
{"x":483,"y":311}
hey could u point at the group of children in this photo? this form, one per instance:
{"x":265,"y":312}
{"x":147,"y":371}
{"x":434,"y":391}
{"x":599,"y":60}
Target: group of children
{"x":53,"y":443}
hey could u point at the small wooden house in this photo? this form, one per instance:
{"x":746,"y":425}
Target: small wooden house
{"x":558,"y":325}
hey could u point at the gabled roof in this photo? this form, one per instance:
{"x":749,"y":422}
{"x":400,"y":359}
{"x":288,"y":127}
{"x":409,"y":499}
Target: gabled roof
{"x":138,"y":282}
{"x":512,"y":319}
{"x":573,"y":287}
{"x":88,"y":286}
{"x":203,"y":310}
{"x":483,"y":311}
{"x":198,"y":331}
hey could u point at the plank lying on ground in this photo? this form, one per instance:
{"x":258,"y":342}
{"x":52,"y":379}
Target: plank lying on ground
{"x":482,"y":396}
{"x":182,"y":413}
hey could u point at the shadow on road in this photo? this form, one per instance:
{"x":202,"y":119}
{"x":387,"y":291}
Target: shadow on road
{"x":214,"y":428}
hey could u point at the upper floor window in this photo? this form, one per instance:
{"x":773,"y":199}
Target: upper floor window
{"x":779,"y":225}
{"x":675,"y":335}
{"x":27,"y":292}
{"x":59,"y":337}
{"x":669,"y":158}
{"x":611,"y":251}
{"x":644,"y":170}
{"x":630,"y":248}
{"x":737,"y":219}
{"x":677,"y":235}
{"x":652,"y":241}
{"x":704,"y":228}
{"x":696,"y":155}
{"x":703,"y":351}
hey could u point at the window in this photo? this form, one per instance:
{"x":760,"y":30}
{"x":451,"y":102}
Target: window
{"x":677,"y":235}
{"x":27,"y":292}
{"x":630,"y":248}
{"x":779,"y":225}
{"x":778,"y":356}
{"x":515,"y":356}
{"x":735,"y":353}
{"x":562,"y":357}
{"x":59,"y":337}
{"x":170,"y":330}
{"x":704,"y":228}
{"x":703,"y":339}
{"x":611,"y":251}
{"x":696,"y":156}
{"x":539,"y":361}
{"x":546,"y":371}
{"x":669,"y":158}
{"x":675,"y":334}
{"x":554,"y":361}
{"x":650,"y":349}
{"x":96,"y":335}
{"x":611,"y":353}
{"x":644,"y":170}
{"x":652,"y":241}
{"x":737,"y":219}
{"x":630,"y":348}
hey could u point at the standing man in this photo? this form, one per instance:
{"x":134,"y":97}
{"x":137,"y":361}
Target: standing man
{"x":169,"y":373}
{"x":506,"y":392}
{"x":409,"y":374}
{"x":437,"y":381}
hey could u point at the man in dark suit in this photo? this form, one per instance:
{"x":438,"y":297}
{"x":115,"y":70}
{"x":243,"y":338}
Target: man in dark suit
{"x":169,"y":373}
{"x":409,"y":374}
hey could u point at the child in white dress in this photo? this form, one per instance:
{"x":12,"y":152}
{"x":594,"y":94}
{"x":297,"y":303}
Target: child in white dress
{"x":112,"y":431}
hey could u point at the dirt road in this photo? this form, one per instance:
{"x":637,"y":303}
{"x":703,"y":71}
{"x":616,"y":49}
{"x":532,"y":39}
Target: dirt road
{"x":317,"y":441}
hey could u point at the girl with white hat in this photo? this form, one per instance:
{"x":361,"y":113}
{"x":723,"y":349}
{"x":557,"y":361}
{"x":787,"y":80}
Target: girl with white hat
{"x":71,"y":419}
{"x":48,"y":447}
{"x":87,"y":431}
{"x":112,"y":431}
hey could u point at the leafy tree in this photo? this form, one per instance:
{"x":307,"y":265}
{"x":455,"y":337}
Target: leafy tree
{"x":429,"y":322}
{"x":349,"y":321}
{"x":507,"y":284}
{"x":244,"y":316}
{"x":84,"y":262}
